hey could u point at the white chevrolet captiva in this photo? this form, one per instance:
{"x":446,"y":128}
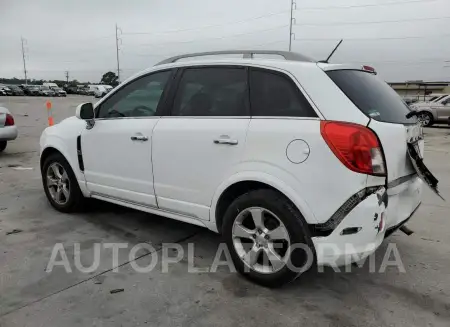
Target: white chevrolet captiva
{"x":297,"y":163}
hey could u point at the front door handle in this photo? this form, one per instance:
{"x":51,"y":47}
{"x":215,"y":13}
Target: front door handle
{"x":139,"y":138}
{"x":226,"y":141}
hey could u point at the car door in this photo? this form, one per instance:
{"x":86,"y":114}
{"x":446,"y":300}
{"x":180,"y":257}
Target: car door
{"x":203,"y":140}
{"x":443,"y":111}
{"x":117,"y":150}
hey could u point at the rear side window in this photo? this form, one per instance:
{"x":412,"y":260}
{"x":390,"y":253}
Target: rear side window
{"x":374,"y":97}
{"x":212,"y":91}
{"x":275,"y":94}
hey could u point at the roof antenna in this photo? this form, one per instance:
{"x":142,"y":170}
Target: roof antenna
{"x":332,"y":52}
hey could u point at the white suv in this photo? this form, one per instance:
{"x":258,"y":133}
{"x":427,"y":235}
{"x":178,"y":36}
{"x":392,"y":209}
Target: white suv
{"x":288,"y":159}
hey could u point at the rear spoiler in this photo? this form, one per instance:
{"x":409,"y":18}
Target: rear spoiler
{"x":328,"y":67}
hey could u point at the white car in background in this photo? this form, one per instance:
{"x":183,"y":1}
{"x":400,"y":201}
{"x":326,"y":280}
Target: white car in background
{"x":8,"y":129}
{"x":435,"y":111}
{"x":101,"y":90}
{"x":272,"y":154}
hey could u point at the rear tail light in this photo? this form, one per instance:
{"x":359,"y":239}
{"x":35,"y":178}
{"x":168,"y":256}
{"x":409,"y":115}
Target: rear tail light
{"x":356,"y":146}
{"x":9,"y":121}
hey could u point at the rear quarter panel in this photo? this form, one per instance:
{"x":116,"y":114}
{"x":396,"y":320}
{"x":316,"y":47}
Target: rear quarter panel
{"x":320,"y":184}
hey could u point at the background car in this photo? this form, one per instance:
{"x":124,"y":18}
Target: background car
{"x":8,"y":129}
{"x":16,"y":90}
{"x":59,"y":91}
{"x":6,"y":89}
{"x":100,"y":91}
{"x":437,"y":111}
{"x":45,"y":91}
{"x":82,"y":90}
{"x":32,"y":90}
{"x":71,"y":89}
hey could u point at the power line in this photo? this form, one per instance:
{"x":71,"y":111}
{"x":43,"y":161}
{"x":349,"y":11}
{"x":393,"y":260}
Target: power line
{"x":216,"y":38}
{"x":374,"y":39}
{"x":400,"y":62}
{"x":209,"y":26}
{"x":367,"y":5}
{"x":376,"y":22}
{"x":158,"y":55}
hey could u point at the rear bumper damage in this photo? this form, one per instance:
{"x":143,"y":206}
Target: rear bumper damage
{"x":363,"y":230}
{"x":358,"y":235}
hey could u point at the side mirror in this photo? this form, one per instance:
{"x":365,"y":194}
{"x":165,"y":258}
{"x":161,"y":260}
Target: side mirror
{"x":85,"y":111}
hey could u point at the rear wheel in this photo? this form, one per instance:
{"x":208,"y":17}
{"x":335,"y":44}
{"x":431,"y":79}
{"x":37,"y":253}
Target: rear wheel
{"x":60,"y":184}
{"x":3,"y":145}
{"x":268,"y":238}
{"x":425,"y":119}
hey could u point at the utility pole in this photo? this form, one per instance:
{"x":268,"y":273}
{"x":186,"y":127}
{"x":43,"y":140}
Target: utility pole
{"x":117,"y":53}
{"x":24,"y":63}
{"x":67,"y":76}
{"x":292,"y":19}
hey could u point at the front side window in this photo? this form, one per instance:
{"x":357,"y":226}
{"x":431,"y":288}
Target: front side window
{"x":212,"y":91}
{"x":140,"y":98}
{"x":275,"y":94}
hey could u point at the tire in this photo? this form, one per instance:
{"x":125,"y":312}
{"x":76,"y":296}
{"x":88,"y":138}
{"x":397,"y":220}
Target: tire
{"x":426,"y":119}
{"x":75,"y":200}
{"x":3,"y":145}
{"x":272,"y":203}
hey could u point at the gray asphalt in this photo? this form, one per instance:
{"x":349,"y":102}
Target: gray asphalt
{"x":30,"y":296}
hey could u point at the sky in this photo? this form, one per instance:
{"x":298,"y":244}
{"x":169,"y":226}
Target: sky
{"x":402,"y":39}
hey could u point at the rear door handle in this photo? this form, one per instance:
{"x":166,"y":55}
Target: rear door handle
{"x":139,"y":138}
{"x":226,"y":141}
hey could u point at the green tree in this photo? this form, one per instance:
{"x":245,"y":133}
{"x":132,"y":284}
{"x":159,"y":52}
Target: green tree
{"x":109,"y":78}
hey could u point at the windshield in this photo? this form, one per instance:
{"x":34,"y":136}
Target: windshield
{"x":438,"y":98}
{"x":374,"y":97}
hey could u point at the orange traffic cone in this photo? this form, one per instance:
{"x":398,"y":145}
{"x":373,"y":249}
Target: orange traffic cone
{"x":49,"y":113}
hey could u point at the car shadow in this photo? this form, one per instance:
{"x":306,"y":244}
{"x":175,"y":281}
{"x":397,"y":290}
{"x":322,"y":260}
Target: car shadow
{"x":440,"y":126}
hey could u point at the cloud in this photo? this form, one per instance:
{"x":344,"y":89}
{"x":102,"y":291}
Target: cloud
{"x":403,"y":39}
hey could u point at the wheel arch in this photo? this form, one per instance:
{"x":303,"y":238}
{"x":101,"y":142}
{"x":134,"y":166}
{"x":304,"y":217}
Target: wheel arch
{"x":242,"y":183}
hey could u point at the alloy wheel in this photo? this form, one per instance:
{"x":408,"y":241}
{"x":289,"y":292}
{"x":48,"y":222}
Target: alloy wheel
{"x":58,"y":183}
{"x":424,"y":119}
{"x":261,"y":240}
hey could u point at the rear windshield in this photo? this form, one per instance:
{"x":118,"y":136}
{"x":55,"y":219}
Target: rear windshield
{"x":374,"y":97}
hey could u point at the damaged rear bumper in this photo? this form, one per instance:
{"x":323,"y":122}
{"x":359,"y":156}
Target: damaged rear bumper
{"x":357,"y":236}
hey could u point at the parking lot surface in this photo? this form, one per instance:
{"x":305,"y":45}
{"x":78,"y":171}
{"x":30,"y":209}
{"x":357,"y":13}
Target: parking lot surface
{"x":30,"y":228}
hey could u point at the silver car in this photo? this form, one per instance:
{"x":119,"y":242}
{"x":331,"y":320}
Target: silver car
{"x":430,"y":113}
{"x":8,"y":129}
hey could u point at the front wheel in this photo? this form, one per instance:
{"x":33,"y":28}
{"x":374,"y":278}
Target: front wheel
{"x":425,"y":119}
{"x":268,"y":238}
{"x":60,"y":184}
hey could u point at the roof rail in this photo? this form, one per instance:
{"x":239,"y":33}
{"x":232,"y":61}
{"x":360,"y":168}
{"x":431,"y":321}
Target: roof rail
{"x":247,"y":54}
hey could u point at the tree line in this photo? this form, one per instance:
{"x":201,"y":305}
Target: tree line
{"x":109,"y":78}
